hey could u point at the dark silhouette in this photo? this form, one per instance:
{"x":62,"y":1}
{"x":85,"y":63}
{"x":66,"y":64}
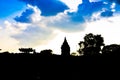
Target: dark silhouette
{"x":45,"y":64}
{"x":26,"y":50}
{"x":6,"y":52}
{"x":112,"y":49}
{"x":34,"y":51}
{"x":91,"y":44}
{"x":65,"y":48}
{"x":46,"y":52}
{"x":82,"y":46}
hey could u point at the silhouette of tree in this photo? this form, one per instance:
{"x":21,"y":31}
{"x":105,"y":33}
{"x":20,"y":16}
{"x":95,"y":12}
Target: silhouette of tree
{"x":91,"y":44}
{"x":82,"y":46}
{"x":26,"y":50}
{"x":99,"y":42}
{"x":112,"y":49}
{"x":46,"y":52}
{"x":89,"y":40}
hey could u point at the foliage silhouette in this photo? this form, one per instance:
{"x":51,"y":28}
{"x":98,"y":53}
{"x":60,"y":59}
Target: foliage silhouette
{"x":26,"y":50}
{"x":91,"y":45}
{"x":112,"y":49}
{"x":46,"y":52}
{"x":33,"y":66}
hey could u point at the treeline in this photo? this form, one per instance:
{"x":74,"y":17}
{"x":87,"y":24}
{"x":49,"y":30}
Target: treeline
{"x":92,"y":45}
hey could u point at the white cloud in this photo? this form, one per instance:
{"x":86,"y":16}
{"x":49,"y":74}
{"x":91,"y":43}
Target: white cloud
{"x":94,"y":0}
{"x":7,"y":43}
{"x":7,"y":30}
{"x":72,"y":4}
{"x":49,"y":32}
{"x":113,"y":7}
{"x":15,"y":34}
{"x":15,"y":27}
{"x":36,"y":16}
{"x":107,"y":27}
{"x":55,"y":43}
{"x":46,"y":31}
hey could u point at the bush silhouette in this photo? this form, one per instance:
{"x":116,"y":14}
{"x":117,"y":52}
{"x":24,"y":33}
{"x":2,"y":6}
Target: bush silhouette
{"x":112,"y":49}
{"x":26,"y":50}
{"x":46,"y":52}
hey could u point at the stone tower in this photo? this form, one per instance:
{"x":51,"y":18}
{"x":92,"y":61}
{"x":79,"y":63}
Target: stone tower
{"x":65,"y":48}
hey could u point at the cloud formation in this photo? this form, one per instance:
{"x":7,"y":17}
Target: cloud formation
{"x":116,"y":1}
{"x":44,"y":20}
{"x":25,"y":16}
{"x":107,"y":13}
{"x":7,"y":42}
{"x":87,"y":9}
{"x":48,"y":7}
{"x":64,"y":20}
{"x":32,"y":36}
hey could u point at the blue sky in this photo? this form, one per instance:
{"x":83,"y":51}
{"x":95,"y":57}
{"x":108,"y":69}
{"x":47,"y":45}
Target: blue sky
{"x":9,"y":7}
{"x":42,"y":23}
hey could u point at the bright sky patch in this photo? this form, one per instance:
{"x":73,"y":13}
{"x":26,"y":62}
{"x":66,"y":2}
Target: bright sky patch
{"x":43,"y":23}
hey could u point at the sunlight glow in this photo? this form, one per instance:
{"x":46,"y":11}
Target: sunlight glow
{"x":55,"y":44}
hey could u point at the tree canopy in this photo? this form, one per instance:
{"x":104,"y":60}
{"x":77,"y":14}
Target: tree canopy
{"x":91,"y":44}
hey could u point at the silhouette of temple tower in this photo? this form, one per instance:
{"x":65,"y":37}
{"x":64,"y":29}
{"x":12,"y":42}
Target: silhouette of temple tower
{"x":65,"y":48}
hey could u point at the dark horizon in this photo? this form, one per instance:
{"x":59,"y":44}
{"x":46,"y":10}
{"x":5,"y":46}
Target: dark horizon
{"x":34,"y":24}
{"x":59,"y":39}
{"x":93,"y":45}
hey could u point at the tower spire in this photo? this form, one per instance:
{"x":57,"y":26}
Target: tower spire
{"x":65,"y":48}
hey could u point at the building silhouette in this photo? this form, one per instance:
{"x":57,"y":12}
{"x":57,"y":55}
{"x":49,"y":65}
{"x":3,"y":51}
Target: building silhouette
{"x":65,"y":48}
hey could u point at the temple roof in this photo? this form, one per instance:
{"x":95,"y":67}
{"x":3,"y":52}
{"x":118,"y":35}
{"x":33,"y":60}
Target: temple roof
{"x":65,"y":43}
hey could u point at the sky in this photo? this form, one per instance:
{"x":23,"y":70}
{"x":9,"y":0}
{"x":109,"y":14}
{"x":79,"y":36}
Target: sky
{"x":43,"y":24}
